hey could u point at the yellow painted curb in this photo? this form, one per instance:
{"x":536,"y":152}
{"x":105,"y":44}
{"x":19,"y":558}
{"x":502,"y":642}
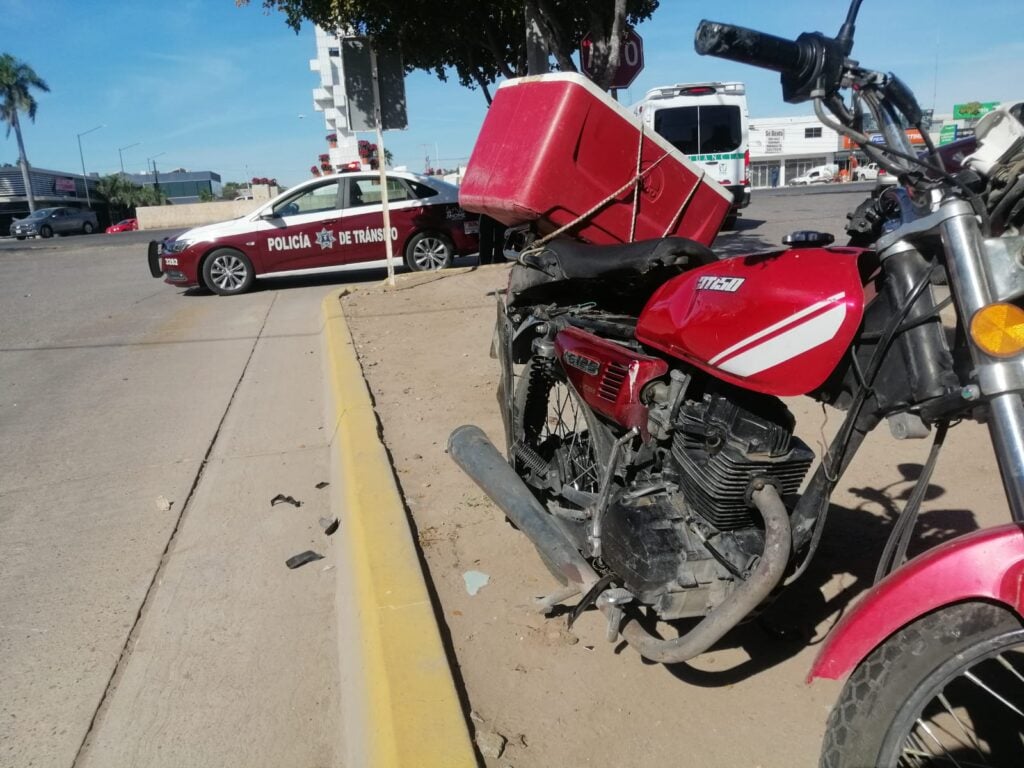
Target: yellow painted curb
{"x":398,"y":698}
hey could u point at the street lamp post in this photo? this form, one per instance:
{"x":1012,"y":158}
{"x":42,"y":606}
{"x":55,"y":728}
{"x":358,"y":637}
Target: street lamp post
{"x":85,"y":179}
{"x":121,"y":156}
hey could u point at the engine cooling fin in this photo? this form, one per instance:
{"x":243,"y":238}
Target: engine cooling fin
{"x":722,"y":443}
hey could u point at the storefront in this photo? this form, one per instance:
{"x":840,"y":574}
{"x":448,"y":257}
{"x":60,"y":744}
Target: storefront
{"x":783,"y":148}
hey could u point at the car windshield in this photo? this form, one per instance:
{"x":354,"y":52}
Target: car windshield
{"x":124,"y":221}
{"x":42,"y":213}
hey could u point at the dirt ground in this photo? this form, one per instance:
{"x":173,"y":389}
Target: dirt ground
{"x":563,"y":698}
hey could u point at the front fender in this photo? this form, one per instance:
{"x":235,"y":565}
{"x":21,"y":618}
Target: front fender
{"x":983,"y":565}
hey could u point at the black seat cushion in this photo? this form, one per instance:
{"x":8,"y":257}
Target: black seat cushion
{"x":619,"y":276}
{"x":571,"y":259}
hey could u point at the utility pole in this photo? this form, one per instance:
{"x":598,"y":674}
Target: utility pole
{"x":388,"y":248}
{"x":156,"y":177}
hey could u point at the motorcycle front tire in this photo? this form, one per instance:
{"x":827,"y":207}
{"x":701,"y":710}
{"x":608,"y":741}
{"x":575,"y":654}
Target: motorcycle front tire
{"x":924,"y":671}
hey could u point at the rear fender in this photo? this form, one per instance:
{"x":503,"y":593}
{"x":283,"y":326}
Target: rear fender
{"x":984,"y":565}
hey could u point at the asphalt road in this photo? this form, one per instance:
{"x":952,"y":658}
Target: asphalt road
{"x":133,"y":634}
{"x":130,"y":633}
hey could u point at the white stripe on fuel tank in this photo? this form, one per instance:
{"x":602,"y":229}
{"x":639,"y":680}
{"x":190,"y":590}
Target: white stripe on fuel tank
{"x":777,"y":326}
{"x":788,"y":344}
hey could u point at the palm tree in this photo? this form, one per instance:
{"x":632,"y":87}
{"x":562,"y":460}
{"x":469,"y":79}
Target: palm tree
{"x":124,"y":194}
{"x":16,"y":80}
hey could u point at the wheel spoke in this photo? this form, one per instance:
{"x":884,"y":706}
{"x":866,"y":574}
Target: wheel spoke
{"x":978,"y":682}
{"x":924,"y":727}
{"x":970,"y":738}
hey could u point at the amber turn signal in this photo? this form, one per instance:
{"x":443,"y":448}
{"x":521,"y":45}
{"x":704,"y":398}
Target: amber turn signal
{"x":998,"y":329}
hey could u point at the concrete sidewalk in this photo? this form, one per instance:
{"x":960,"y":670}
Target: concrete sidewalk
{"x":234,"y":660}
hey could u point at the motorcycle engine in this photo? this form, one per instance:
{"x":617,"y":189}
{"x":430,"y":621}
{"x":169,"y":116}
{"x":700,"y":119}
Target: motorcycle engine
{"x":721,"y":444}
{"x":682,"y":550}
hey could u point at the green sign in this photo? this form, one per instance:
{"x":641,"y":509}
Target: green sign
{"x":948,"y":134}
{"x":972,"y":110}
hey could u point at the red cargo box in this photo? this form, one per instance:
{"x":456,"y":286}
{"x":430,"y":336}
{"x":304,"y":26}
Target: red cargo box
{"x":555,"y":146}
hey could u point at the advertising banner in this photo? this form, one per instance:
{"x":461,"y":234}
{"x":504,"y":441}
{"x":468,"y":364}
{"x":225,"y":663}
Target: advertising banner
{"x":972,"y":110}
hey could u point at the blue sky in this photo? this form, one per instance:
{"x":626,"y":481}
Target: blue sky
{"x":205,"y":85}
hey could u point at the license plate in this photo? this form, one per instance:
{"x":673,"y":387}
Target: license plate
{"x":471,"y":227}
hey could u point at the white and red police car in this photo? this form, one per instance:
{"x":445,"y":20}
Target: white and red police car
{"x":325,"y":224}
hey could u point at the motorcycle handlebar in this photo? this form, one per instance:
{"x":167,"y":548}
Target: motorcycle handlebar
{"x":749,"y":46}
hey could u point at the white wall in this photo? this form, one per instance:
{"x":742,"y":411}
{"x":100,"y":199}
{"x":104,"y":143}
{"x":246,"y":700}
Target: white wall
{"x":193,"y":214}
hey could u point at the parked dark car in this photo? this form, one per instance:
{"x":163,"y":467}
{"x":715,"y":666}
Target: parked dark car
{"x":47,"y":222}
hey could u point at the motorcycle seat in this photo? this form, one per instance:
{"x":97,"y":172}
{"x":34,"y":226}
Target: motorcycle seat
{"x":573,"y":260}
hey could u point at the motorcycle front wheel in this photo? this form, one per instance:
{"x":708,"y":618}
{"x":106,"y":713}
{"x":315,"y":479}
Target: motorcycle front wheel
{"x":946,"y":690}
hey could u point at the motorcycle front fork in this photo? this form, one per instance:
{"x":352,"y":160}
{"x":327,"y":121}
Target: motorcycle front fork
{"x":1001,"y":380}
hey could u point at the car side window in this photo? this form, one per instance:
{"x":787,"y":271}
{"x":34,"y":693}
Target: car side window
{"x":367,"y":192}
{"x":422,"y":190}
{"x":318,"y":199}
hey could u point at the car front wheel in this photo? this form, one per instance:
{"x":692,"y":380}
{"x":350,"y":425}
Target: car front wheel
{"x":428,"y":251}
{"x":228,"y":272}
{"x":88,"y":228}
{"x":45,"y":231}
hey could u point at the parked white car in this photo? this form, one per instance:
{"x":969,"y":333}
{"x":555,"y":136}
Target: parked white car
{"x":866,"y":172}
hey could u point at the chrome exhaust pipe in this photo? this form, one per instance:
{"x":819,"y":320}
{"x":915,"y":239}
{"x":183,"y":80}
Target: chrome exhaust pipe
{"x":470,"y":448}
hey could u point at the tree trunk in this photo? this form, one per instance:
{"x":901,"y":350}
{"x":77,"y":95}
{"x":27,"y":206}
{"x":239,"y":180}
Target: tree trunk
{"x":536,"y":47}
{"x":606,"y":44}
{"x":23,"y":162}
{"x":554,"y":37}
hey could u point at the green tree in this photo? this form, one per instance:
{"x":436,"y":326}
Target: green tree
{"x":231,"y":189}
{"x":480,"y":41}
{"x":17,"y":79}
{"x":206,"y":196}
{"x":124,"y":195}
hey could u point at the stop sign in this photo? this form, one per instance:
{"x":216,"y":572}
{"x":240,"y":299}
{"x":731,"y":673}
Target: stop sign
{"x":631,"y":58}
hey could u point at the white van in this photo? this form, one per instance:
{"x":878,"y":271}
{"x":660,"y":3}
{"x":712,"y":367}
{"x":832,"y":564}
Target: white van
{"x":819,"y":174}
{"x":707,"y":122}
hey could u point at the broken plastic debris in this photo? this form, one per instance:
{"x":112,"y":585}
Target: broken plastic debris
{"x":282,"y":499}
{"x":163,"y":504}
{"x":475,"y":581}
{"x":329,"y":524}
{"x":297,"y":561}
{"x":491,"y":743}
{"x":321,"y":485}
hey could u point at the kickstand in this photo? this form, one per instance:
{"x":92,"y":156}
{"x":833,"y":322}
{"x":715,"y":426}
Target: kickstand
{"x":590,"y":598}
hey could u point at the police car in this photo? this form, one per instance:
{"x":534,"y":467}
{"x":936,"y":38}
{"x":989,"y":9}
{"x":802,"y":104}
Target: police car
{"x":326,"y":224}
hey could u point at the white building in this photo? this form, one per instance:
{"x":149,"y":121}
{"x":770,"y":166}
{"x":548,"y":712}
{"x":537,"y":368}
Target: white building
{"x":329,"y":98}
{"x":782,"y":148}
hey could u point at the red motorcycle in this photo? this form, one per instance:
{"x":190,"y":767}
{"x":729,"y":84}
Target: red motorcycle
{"x":655,"y":469}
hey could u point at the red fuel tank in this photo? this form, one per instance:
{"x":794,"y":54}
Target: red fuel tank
{"x":777,"y":323}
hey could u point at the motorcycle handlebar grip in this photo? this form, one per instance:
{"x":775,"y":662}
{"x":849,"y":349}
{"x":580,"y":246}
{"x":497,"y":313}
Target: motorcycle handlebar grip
{"x":748,"y":46}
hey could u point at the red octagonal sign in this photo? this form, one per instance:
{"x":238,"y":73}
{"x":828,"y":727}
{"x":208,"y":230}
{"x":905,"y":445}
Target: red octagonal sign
{"x":631,"y":59}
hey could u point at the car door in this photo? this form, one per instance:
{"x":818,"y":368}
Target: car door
{"x":299,"y":231}
{"x":361,"y":227}
{"x":59,"y":220}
